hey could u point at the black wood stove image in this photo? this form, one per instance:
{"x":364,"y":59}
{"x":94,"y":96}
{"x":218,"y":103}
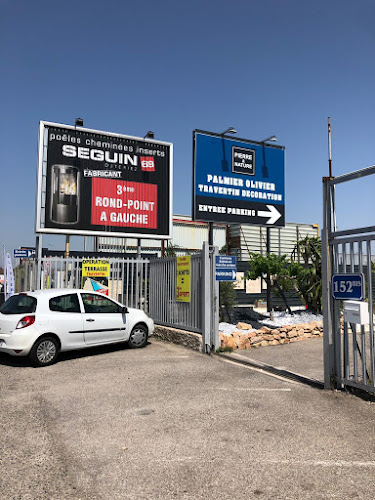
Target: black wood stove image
{"x":64,"y":194}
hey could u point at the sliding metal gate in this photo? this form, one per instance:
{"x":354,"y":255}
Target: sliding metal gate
{"x":201,"y":314}
{"x":164,"y":308}
{"x":349,"y":358}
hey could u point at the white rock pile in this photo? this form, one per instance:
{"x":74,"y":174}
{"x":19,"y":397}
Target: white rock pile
{"x":245,"y":337}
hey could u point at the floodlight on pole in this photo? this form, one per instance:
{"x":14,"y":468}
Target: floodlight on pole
{"x":273,"y":138}
{"x":150,"y":135}
{"x":79,"y":122}
{"x":230,"y":130}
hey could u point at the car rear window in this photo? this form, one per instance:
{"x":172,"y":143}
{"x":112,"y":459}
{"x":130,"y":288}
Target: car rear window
{"x":65,"y":303}
{"x":19,"y":304}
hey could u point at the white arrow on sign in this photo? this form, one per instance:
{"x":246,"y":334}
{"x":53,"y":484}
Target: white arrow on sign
{"x":234,"y":275}
{"x":273,"y":214}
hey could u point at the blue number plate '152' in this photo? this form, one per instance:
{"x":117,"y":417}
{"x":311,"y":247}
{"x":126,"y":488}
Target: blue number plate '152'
{"x":348,"y":286}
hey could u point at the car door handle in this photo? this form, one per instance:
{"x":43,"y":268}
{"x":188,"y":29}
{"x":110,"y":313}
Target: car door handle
{"x":90,"y":320}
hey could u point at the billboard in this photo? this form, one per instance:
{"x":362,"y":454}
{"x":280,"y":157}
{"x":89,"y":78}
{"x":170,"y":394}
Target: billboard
{"x":237,"y":181}
{"x":95,"y":183}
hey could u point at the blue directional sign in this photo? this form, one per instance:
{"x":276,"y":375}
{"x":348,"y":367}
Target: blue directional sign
{"x":237,"y":181}
{"x":23,"y":253}
{"x":348,"y":286}
{"x":226,"y":268}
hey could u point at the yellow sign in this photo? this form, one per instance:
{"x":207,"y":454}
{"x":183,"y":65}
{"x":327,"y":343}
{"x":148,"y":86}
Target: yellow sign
{"x":94,"y":268}
{"x":183,"y":279}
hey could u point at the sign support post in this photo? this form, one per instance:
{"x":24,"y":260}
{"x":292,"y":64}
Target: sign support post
{"x":215,"y":291}
{"x":67,"y":246}
{"x":39,"y":249}
{"x":206,"y":295}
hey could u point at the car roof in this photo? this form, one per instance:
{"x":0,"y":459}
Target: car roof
{"x":50,"y":292}
{"x":56,"y":292}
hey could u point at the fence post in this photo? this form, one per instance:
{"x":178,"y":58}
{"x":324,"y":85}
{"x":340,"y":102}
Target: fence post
{"x":215,"y":341}
{"x":328,"y":337}
{"x":206,"y":299}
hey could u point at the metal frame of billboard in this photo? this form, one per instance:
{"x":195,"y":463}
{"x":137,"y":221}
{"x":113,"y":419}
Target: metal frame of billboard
{"x":237,"y":140}
{"x":42,"y":185}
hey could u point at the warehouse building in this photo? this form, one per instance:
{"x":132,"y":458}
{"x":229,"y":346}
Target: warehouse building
{"x":188,"y":237}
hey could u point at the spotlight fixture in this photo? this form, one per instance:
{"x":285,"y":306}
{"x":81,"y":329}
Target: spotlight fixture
{"x":230,"y":130}
{"x":79,"y":122}
{"x":273,"y":138}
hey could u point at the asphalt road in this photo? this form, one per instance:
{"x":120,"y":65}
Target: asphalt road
{"x":164,"y":422}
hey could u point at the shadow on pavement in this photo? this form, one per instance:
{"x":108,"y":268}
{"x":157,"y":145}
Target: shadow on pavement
{"x":23,"y":361}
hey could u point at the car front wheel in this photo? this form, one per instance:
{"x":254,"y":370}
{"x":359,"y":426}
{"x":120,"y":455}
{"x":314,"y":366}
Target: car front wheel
{"x":44,"y":351}
{"x":138,"y":336}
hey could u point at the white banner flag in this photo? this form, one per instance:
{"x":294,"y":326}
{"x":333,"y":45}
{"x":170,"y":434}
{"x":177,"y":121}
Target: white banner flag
{"x":9,"y":277}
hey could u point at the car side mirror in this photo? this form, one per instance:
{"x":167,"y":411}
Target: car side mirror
{"x":124,"y":310}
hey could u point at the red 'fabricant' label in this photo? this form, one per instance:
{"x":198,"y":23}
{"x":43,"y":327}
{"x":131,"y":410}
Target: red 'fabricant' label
{"x":148,"y":163}
{"x":123,"y":203}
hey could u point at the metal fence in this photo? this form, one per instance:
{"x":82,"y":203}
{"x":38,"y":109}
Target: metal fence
{"x":146,"y":284}
{"x":127,"y":282}
{"x":354,"y":342}
{"x":349,"y":353}
{"x":163,"y":305}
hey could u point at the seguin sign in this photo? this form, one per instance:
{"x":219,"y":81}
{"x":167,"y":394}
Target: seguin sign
{"x":94,"y":183}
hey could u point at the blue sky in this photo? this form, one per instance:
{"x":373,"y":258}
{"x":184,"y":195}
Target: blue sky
{"x":265,"y":67}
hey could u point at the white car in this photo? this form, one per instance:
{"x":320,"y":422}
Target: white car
{"x":42,"y":323}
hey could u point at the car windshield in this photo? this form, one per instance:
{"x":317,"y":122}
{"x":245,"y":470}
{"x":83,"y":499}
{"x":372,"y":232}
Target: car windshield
{"x":19,"y":304}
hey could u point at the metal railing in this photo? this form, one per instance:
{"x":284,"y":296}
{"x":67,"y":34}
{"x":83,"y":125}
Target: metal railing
{"x":142,"y":283}
{"x":127,"y":282}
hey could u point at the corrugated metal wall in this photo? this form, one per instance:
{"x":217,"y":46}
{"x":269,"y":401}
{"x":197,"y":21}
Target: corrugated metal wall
{"x":187,"y":234}
{"x":245,"y":239}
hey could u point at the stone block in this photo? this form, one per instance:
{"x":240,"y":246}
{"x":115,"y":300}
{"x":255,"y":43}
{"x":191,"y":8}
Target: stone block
{"x":229,"y":342}
{"x":244,"y":326}
{"x":267,"y":336}
{"x":256,"y":340}
{"x":292,"y":333}
{"x":265,"y":329}
{"x":244,"y":343}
